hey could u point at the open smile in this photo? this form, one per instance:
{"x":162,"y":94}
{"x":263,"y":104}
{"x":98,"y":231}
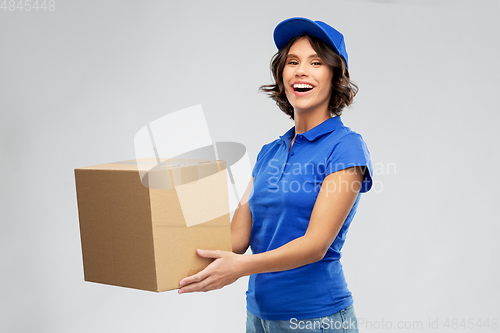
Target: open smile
{"x":301,"y":88}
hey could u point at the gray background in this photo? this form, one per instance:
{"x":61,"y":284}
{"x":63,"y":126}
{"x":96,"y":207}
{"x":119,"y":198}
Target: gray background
{"x":77,"y":83}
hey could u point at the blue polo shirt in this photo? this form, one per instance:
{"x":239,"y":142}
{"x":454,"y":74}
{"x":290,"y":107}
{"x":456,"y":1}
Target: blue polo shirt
{"x":284,"y":191}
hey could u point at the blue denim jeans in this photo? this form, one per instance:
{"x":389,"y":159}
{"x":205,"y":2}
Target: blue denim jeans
{"x":343,"y":321}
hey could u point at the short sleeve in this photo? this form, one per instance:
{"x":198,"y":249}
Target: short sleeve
{"x":350,"y":151}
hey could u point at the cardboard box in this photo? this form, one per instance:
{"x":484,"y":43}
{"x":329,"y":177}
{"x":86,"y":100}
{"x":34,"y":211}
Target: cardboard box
{"x":141,"y":222}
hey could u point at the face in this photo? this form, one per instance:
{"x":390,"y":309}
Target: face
{"x":307,"y":79}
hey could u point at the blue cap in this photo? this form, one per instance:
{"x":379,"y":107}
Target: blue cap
{"x":297,"y":26}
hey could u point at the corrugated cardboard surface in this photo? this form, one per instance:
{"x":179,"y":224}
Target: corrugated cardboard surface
{"x":135,"y":236}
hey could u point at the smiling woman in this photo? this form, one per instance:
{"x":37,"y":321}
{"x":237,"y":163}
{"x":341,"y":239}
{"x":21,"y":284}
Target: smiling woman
{"x":285,"y":62}
{"x":295,"y":220}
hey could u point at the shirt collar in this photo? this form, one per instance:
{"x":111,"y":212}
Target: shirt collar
{"x":328,"y":126}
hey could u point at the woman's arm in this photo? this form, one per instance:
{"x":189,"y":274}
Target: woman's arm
{"x":335,"y":199}
{"x":241,"y":225}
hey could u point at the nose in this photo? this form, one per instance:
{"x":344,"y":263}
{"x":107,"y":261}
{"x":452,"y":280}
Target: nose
{"x":301,"y":71}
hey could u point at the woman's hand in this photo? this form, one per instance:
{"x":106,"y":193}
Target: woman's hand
{"x":224,"y":270}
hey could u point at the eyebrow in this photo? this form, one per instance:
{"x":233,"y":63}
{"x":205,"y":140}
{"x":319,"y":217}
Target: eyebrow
{"x":311,"y":56}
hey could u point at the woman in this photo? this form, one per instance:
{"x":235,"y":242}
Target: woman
{"x":302,"y":196}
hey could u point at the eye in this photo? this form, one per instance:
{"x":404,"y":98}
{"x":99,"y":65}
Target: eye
{"x":317,"y":63}
{"x":292,"y":62}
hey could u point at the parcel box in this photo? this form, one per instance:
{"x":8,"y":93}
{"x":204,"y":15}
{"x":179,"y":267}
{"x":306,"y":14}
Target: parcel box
{"x":142,"y":221}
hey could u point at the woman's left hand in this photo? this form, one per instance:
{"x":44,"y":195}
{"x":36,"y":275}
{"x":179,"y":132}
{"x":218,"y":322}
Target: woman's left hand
{"x":222,"y":271}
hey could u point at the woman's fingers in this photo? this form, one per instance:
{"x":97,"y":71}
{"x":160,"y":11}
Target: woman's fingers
{"x":209,"y":253}
{"x":198,"y":277}
{"x":204,"y":273}
{"x":218,"y":274}
{"x":208,"y":284}
{"x":196,"y":286}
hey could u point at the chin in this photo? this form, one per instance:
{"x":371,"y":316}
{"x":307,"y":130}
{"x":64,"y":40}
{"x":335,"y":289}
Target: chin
{"x":303,"y":108}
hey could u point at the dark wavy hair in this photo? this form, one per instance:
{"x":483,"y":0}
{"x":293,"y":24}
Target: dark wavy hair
{"x":343,"y":90}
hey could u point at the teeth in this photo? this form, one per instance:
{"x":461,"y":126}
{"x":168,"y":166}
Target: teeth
{"x":302,"y":85}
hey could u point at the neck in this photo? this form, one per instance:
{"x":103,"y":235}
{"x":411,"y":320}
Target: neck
{"x":305,"y":121}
